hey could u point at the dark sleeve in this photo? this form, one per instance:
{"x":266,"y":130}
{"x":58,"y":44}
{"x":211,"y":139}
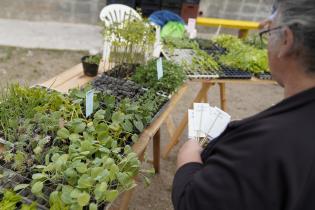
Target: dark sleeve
{"x":212,"y":186}
{"x":241,"y":173}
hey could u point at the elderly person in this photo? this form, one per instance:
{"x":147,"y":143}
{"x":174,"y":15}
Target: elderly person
{"x":266,"y":161}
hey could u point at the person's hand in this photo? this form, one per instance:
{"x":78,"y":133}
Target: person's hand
{"x":189,"y":152}
{"x":264,"y":24}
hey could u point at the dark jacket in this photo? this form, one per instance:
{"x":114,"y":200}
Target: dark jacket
{"x":262,"y":162}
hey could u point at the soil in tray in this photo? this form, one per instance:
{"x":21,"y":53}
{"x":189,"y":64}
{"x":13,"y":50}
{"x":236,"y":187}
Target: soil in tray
{"x":120,"y":88}
{"x":122,"y":71}
{"x":233,"y":73}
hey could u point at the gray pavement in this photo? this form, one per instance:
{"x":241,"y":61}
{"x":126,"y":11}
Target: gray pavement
{"x":50,"y":35}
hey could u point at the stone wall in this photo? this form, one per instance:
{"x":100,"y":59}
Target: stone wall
{"x":87,"y":11}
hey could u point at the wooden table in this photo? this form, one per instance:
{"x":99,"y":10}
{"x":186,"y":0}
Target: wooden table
{"x":202,"y":96}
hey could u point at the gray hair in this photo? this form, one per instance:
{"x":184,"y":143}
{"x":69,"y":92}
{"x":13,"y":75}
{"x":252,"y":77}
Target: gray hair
{"x":299,"y":16}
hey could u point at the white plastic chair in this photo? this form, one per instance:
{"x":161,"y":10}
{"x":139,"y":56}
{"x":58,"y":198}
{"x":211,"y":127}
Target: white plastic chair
{"x":116,"y":13}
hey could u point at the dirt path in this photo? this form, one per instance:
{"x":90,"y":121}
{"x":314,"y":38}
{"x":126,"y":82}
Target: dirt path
{"x":29,"y":66}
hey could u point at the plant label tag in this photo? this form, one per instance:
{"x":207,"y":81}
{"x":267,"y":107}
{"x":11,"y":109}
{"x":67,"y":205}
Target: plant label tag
{"x":157,"y":45}
{"x":191,"y":124}
{"x":159,"y":66}
{"x":200,"y":109}
{"x":89,"y":103}
{"x":220,"y":121}
{"x":191,"y":25}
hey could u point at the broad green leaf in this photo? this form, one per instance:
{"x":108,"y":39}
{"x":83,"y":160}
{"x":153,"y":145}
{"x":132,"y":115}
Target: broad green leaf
{"x":86,"y":146}
{"x":66,"y":194}
{"x":74,"y":137}
{"x":111,"y":195}
{"x":38,"y":176}
{"x":138,"y":125}
{"x":83,"y":199}
{"x":92,"y":206}
{"x":127,"y":126}
{"x":100,"y":190}
{"x":102,"y":127}
{"x":95,"y":171}
{"x":81,"y":168}
{"x":114,"y":126}
{"x":63,"y":133}
{"x":99,"y":115}
{"x":75,"y":193}
{"x":113,"y":171}
{"x":20,"y":187}
{"x":37,"y":188}
{"x":85,"y":182}
{"x":118,"y":117}
{"x":70,"y":172}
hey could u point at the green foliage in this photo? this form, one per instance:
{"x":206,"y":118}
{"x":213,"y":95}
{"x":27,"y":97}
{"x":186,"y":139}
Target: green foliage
{"x":201,"y":62}
{"x":93,"y":59}
{"x":9,"y":200}
{"x":130,"y":40}
{"x":242,"y":56}
{"x":82,"y":162}
{"x":176,"y":43}
{"x":173,"y":76}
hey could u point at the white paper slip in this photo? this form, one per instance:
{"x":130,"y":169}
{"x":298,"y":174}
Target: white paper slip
{"x":191,"y":124}
{"x":200,"y":109}
{"x":221,"y":120}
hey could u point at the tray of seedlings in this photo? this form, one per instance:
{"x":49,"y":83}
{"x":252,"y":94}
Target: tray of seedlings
{"x":264,"y":76}
{"x":57,"y":158}
{"x":233,"y":73}
{"x":241,"y":58}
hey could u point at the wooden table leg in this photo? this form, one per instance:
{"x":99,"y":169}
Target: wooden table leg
{"x":202,"y":94}
{"x":223,"y":96}
{"x":126,"y":199}
{"x":156,"y":151}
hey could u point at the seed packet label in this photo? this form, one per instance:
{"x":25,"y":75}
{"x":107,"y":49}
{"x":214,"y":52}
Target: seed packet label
{"x":218,"y":123}
{"x":159,"y":66}
{"x":200,"y":109}
{"x":191,"y":124}
{"x":89,"y":103}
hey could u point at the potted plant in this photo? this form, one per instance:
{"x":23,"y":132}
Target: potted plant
{"x":90,"y":64}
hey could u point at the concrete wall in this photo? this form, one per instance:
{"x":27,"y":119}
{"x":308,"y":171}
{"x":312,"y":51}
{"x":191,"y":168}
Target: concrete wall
{"x":87,"y":11}
{"x":236,"y":9}
{"x":73,"y":11}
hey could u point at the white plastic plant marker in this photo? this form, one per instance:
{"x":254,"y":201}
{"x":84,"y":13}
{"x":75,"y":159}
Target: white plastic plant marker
{"x":157,"y":45}
{"x":159,"y":67}
{"x":191,"y":28}
{"x":89,"y":103}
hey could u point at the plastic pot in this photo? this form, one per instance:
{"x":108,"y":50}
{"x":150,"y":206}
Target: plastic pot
{"x":89,"y":69}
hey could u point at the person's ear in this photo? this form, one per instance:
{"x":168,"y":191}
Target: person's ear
{"x":287,"y":43}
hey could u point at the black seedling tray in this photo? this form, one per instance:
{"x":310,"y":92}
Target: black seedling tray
{"x":120,"y":88}
{"x":264,"y":76}
{"x":233,"y":73}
